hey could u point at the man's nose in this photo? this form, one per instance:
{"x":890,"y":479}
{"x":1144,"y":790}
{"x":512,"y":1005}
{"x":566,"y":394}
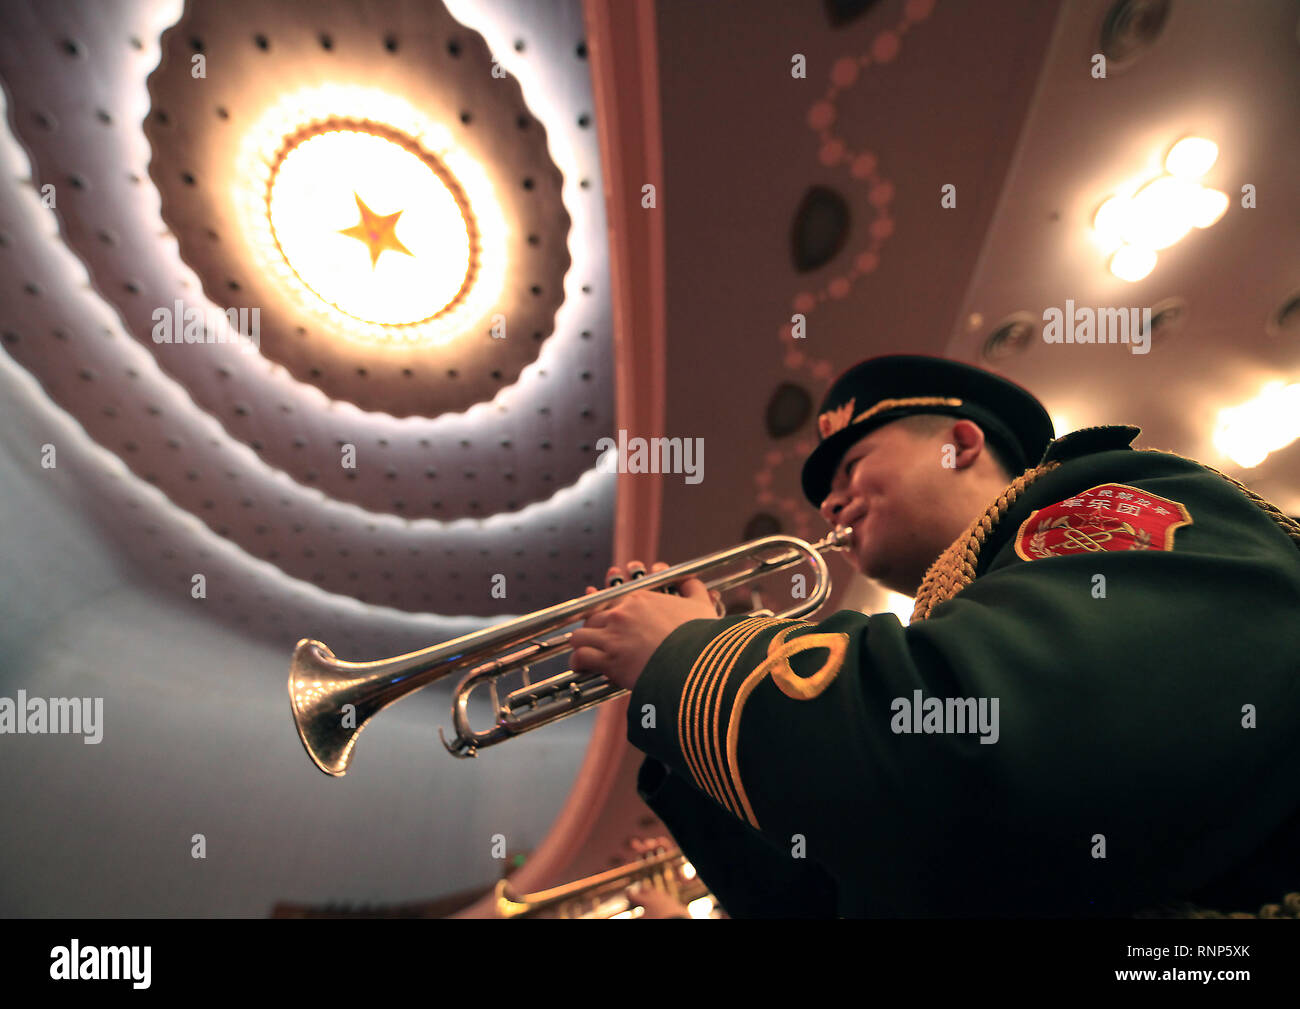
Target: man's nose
{"x":832,"y":506}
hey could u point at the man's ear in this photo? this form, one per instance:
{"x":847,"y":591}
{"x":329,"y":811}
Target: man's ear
{"x":968,"y":439}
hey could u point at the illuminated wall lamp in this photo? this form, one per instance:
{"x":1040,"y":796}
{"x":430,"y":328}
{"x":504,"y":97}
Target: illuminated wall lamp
{"x":1246,"y":434}
{"x":1132,"y":228}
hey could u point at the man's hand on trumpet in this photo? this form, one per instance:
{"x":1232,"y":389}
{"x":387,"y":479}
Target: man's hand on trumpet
{"x":618,"y":641}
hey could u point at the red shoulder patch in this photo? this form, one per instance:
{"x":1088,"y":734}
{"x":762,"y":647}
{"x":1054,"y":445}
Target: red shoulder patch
{"x":1110,"y":516}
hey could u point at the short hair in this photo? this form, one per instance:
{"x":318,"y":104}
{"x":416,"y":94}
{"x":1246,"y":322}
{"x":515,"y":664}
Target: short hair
{"x":930,"y":423}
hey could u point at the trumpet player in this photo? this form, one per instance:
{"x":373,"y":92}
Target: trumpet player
{"x":1091,"y":711}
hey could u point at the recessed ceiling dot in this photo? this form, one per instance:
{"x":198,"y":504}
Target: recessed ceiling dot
{"x":262,"y":42}
{"x":584,"y":120}
{"x":73,"y":48}
{"x":585,"y":334}
{"x":390,"y":43}
{"x":522,"y":122}
{"x":528,"y":183}
{"x":326,"y":42}
{"x":519,"y":45}
{"x":223,"y":112}
{"x":453,"y":47}
{"x":534,"y":240}
{"x":103,"y":116}
{"x":581,"y":50}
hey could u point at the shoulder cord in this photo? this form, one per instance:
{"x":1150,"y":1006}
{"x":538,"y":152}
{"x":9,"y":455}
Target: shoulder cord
{"x":955,"y":570}
{"x":1284,"y":521}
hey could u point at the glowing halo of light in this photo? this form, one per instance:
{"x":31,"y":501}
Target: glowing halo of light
{"x":323,"y":156}
{"x":300,"y":115}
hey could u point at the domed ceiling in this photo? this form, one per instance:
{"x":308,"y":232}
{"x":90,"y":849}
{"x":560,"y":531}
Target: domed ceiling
{"x":326,"y":289}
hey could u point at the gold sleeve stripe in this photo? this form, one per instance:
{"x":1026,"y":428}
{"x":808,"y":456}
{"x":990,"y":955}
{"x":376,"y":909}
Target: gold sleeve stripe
{"x":720,"y":653}
{"x":790,"y":683}
{"x":689,"y":694}
{"x":890,"y":404}
{"x":707,"y":718}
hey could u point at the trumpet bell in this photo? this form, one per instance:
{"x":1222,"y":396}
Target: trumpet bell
{"x":330,"y":708}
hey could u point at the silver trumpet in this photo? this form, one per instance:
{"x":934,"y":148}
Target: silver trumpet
{"x":322,"y":687}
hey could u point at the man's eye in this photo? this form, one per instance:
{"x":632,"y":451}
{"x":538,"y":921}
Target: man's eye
{"x":848,"y":470}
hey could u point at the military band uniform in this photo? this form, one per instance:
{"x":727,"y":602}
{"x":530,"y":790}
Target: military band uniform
{"x":1133,"y":613}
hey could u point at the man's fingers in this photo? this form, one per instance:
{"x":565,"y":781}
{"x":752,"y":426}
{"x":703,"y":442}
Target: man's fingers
{"x":588,"y":658}
{"x":693,"y":588}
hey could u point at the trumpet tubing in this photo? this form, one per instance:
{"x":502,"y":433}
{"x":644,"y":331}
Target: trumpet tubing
{"x":332,"y":700}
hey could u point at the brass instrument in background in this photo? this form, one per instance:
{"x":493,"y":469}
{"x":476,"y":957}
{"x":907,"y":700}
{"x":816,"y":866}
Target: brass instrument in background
{"x":320,"y":684}
{"x":604,"y":894}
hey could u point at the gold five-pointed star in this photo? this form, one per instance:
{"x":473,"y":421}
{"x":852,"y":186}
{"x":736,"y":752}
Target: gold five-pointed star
{"x":378,"y":231}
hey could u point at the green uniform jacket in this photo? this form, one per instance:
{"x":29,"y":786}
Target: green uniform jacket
{"x":1143,"y":747}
